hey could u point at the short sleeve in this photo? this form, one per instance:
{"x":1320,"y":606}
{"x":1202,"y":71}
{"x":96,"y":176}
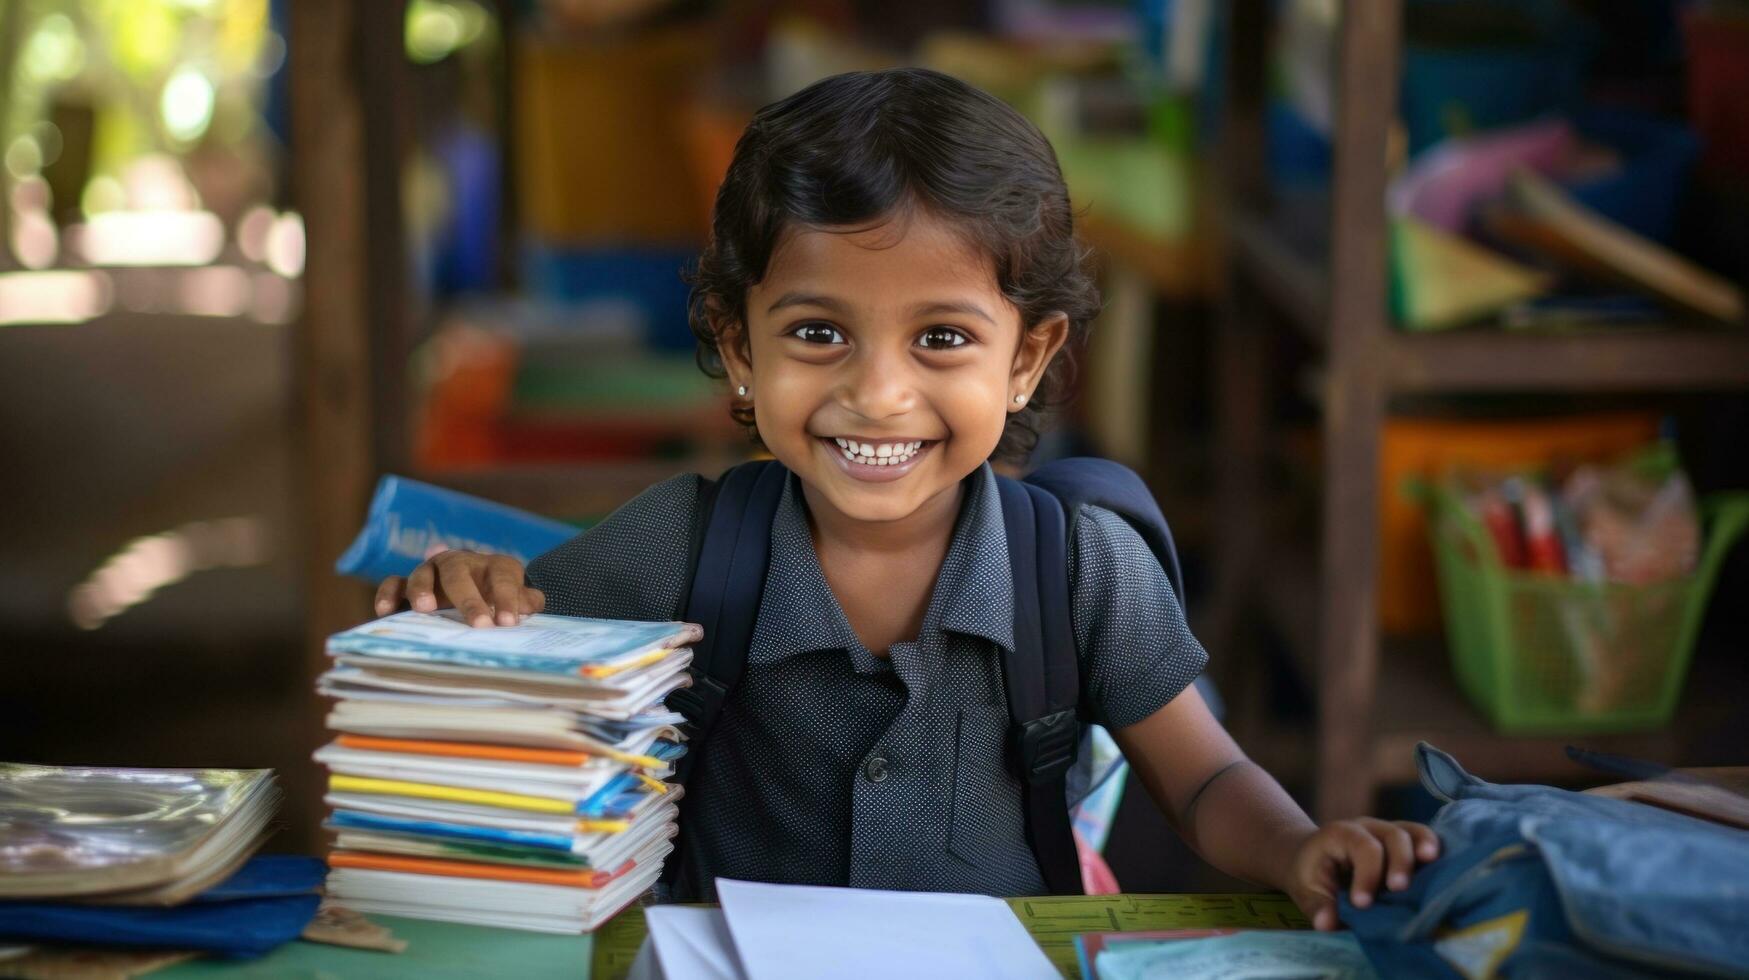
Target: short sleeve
{"x":1137,"y":652}
{"x":630,"y":565}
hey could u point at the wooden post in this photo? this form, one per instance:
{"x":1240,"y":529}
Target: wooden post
{"x":331,"y":344}
{"x":385,"y":104}
{"x":1240,"y":403}
{"x":1354,"y":406}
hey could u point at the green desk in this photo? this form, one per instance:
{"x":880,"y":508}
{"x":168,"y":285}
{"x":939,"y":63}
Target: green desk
{"x":440,"y":951}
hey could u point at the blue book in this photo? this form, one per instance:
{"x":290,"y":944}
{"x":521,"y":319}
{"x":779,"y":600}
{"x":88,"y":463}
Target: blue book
{"x":616,"y":800}
{"x":407,"y":518}
{"x":356,"y":820}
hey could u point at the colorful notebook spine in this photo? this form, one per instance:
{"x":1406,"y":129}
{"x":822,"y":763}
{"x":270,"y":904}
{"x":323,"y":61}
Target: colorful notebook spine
{"x":501,"y":753}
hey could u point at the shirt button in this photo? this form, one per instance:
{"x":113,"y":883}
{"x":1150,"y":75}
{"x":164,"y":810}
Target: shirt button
{"x":877,"y":768}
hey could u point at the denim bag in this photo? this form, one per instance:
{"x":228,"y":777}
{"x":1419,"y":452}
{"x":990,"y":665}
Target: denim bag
{"x":1535,"y":881}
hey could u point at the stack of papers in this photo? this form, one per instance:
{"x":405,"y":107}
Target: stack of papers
{"x":147,"y":857}
{"x":509,"y":776}
{"x":791,"y":932}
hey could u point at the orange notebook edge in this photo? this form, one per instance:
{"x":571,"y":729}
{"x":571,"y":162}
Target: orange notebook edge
{"x":465,"y":750}
{"x":595,"y":671}
{"x":468,"y":869}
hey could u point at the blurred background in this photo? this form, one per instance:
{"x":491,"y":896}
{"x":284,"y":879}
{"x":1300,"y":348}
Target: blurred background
{"x":1424,"y":319}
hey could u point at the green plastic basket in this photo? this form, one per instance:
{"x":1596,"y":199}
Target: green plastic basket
{"x":1539,"y":653}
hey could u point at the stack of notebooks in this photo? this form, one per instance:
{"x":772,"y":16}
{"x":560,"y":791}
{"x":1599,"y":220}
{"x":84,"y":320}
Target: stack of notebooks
{"x":506,"y":776}
{"x":157,"y":858}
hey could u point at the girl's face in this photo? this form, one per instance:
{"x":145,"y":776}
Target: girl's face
{"x":883,"y":363}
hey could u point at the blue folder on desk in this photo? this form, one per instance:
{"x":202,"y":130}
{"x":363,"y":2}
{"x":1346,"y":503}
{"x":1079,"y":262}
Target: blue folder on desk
{"x":266,"y":904}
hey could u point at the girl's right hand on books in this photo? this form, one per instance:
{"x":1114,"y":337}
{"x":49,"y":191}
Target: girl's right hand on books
{"x":485,"y":589}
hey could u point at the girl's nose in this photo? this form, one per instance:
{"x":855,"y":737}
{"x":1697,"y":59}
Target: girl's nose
{"x":879,"y":385}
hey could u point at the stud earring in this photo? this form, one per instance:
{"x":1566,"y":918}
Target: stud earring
{"x":1020,"y":399}
{"x":741,"y":390}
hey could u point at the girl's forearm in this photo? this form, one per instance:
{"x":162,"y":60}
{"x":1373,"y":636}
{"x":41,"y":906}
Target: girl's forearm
{"x":1246,"y":825}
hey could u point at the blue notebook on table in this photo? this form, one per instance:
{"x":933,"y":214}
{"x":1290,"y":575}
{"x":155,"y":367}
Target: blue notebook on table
{"x":266,"y":904}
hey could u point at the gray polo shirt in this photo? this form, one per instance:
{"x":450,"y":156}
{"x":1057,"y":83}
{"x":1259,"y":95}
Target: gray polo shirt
{"x":832,"y":766}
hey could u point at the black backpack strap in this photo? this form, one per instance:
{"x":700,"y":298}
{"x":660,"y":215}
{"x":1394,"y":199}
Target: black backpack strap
{"x":731,"y":548}
{"x":1042,"y":677}
{"x":728,"y":578}
{"x":702,"y":506}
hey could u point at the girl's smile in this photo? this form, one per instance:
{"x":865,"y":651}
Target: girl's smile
{"x":878,"y":461}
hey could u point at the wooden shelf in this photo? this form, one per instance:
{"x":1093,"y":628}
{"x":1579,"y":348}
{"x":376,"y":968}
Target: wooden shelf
{"x":1655,"y":357}
{"x":1677,"y":357}
{"x":1418,"y":700}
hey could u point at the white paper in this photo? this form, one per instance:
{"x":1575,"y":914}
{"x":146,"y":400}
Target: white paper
{"x":644,"y":964}
{"x":691,"y":944}
{"x":802,"y":931}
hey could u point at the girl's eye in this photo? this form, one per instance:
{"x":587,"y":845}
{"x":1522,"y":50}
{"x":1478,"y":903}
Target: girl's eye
{"x":817,"y":333}
{"x":942,"y":338}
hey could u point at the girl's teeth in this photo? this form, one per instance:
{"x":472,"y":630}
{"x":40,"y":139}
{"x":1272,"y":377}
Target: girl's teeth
{"x":885,"y":454}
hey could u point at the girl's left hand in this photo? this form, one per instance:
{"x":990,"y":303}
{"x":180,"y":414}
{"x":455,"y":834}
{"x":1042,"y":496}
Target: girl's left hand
{"x":1366,"y":852}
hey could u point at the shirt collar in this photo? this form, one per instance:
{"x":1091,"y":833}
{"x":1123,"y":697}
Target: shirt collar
{"x":797,"y":612}
{"x":974,"y":593}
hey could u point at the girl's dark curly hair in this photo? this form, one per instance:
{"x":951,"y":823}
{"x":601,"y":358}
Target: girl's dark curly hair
{"x":857,"y":148}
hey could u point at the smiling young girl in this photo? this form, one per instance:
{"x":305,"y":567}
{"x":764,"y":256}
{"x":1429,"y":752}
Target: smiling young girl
{"x":891,"y":282}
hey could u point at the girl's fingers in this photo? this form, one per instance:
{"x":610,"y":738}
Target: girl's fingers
{"x":389,"y":594}
{"x":1368,"y":852}
{"x":1366,"y":856}
{"x":1320,"y":872}
{"x":1399,"y":853}
{"x":1314,"y":897}
{"x":1426,"y":841}
{"x":475,"y":586}
{"x":458,"y":583}
{"x":504,"y":588}
{"x":422,"y":587}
